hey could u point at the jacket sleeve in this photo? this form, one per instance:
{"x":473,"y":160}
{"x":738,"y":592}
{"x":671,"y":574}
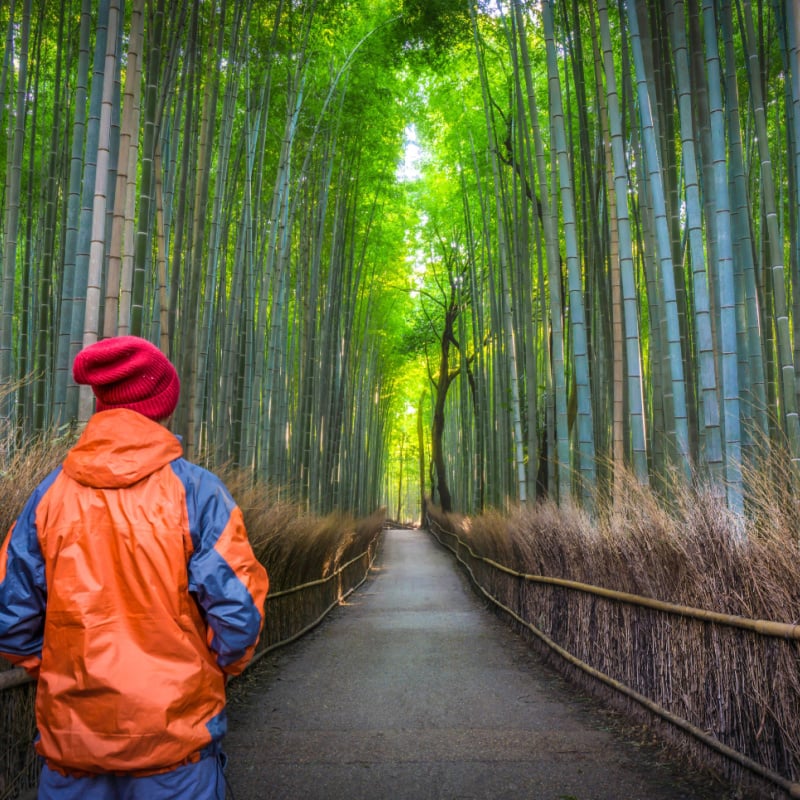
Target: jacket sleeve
{"x":23,"y":588}
{"x":228,"y":582}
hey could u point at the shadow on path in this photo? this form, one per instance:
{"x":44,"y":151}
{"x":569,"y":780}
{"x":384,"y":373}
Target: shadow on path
{"x":413,"y":691}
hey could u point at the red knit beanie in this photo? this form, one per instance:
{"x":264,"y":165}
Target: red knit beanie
{"x":129,"y":372}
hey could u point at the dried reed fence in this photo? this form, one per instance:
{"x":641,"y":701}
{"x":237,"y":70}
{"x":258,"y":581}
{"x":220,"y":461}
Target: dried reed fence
{"x":19,"y":769}
{"x":721,"y":687}
{"x":341,"y":553}
{"x":313,"y":563}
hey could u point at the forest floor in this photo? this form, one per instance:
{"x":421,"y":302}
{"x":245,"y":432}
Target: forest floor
{"x":414,"y":691}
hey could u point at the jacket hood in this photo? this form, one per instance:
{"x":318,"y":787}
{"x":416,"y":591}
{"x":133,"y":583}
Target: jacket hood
{"x":119,"y":448}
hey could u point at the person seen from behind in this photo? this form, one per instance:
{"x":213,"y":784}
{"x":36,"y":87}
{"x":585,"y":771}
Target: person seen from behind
{"x":130,"y":591}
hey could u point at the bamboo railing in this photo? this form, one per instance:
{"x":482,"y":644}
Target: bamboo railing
{"x":290,"y":613}
{"x":705,"y":674}
{"x":293,"y":612}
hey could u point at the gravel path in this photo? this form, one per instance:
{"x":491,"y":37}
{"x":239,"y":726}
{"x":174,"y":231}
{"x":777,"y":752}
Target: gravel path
{"x":413,"y":691}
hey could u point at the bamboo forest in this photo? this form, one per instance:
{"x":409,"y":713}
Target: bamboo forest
{"x":486,"y":252}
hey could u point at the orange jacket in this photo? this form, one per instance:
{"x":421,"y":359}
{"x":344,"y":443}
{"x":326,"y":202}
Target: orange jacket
{"x":152,"y":595}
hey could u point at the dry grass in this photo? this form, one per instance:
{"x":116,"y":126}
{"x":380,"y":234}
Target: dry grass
{"x":24,"y":471}
{"x":742,"y":687}
{"x":295,"y":546}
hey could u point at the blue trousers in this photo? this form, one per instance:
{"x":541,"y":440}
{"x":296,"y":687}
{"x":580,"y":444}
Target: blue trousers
{"x":201,"y":781}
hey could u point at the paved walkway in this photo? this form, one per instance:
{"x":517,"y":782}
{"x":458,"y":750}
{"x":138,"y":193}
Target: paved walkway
{"x":414,"y":691}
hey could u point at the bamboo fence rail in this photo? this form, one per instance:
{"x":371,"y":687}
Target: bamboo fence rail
{"x":713,"y":677}
{"x":293,"y":612}
{"x":290,"y":613}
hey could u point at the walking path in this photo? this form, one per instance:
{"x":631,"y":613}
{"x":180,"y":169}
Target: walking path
{"x":413,"y":691}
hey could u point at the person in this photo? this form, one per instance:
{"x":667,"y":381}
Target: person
{"x":129,"y":589}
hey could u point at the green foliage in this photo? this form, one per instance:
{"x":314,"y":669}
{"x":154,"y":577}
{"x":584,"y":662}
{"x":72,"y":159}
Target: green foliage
{"x":432,"y":29}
